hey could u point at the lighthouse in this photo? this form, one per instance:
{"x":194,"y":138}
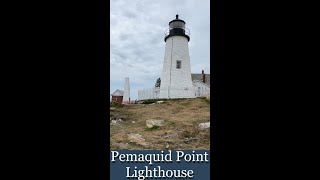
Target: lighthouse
{"x":176,"y":73}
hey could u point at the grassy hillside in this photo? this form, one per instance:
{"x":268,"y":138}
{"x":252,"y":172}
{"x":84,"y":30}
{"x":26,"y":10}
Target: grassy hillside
{"x":180,"y":130}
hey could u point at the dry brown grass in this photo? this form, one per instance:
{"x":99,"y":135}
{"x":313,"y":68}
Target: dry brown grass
{"x":180,"y":131}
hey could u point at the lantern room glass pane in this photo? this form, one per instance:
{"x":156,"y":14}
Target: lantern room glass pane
{"x":177,"y":24}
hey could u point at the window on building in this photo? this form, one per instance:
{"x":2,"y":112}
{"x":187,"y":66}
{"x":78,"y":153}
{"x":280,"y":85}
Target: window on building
{"x":178,"y":64}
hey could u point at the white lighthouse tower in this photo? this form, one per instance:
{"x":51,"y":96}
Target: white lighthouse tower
{"x":176,"y":73}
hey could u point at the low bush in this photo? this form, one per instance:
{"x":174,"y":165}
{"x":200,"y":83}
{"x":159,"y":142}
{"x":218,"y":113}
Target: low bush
{"x":112,"y":104}
{"x":150,"y":101}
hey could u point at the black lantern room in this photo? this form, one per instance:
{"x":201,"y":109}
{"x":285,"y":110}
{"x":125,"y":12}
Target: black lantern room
{"x":177,"y":28}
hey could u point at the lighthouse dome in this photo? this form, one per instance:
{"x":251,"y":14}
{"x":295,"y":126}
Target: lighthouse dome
{"x":177,"y":28}
{"x":177,"y":23}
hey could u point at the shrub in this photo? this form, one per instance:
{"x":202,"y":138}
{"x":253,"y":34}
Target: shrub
{"x":150,"y":101}
{"x":112,"y":104}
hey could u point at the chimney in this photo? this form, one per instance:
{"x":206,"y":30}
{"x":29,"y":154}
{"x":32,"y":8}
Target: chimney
{"x":203,"y":77}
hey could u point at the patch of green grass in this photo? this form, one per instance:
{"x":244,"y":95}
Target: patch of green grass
{"x":149,"y":101}
{"x":207,"y":100}
{"x":151,"y":129}
{"x":185,"y":134}
{"x":112,"y":104}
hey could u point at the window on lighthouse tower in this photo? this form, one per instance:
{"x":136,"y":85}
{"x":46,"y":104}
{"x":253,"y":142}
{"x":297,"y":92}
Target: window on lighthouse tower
{"x":178,"y":64}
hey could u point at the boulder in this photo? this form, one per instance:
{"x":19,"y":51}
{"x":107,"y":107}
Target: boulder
{"x":112,"y":108}
{"x":114,"y":122}
{"x":203,"y":126}
{"x":159,"y":102}
{"x":150,"y":123}
{"x":167,"y":146}
{"x":188,"y":140}
{"x":137,"y":138}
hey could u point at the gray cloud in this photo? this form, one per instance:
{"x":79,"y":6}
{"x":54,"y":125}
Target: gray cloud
{"x":130,"y":14}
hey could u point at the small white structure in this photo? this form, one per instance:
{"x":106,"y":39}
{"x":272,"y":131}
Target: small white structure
{"x":126,"y":93}
{"x":176,"y":73}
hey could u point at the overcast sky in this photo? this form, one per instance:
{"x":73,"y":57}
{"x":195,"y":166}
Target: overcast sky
{"x":137,"y":39}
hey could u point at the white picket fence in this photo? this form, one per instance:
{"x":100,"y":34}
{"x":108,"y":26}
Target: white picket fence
{"x":151,"y":93}
{"x":154,"y":93}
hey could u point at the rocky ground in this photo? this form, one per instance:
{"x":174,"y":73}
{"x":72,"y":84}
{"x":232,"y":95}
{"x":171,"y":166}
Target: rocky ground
{"x":173,"y":124}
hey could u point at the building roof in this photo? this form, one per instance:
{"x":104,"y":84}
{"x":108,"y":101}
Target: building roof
{"x":117,"y":93}
{"x":199,"y":78}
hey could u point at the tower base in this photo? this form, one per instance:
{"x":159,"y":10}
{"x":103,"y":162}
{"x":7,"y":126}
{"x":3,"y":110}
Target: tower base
{"x":174,"y":93}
